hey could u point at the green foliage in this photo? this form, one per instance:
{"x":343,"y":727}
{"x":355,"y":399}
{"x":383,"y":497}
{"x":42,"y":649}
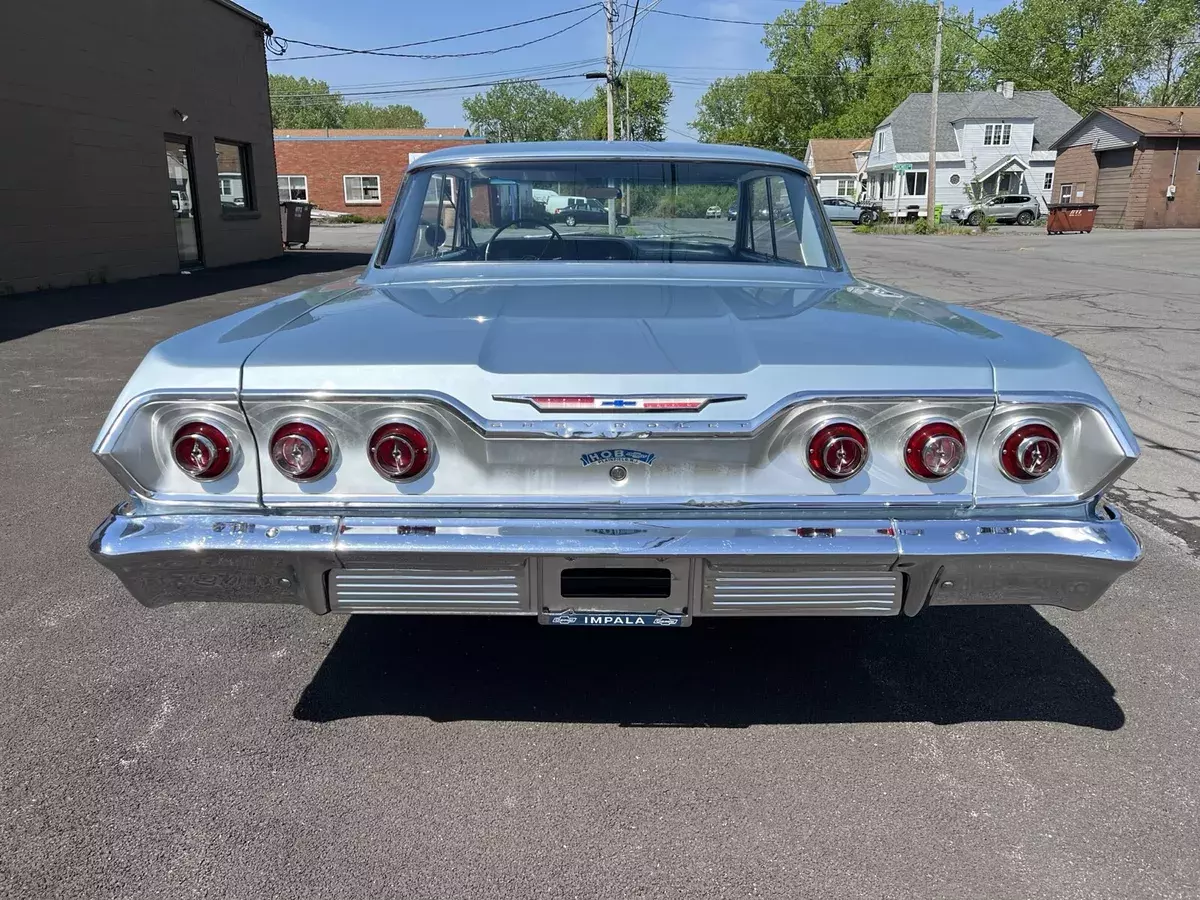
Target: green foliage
{"x":309,"y":103}
{"x":649,"y":96}
{"x":366,"y":115}
{"x":523,"y":111}
{"x":354,"y":219}
{"x":837,"y":70}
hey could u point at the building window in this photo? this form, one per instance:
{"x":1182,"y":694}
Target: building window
{"x":845,"y":187}
{"x":293,"y":187}
{"x":955,"y":178}
{"x":233,"y":172}
{"x":361,"y":188}
{"x":996,"y":135}
{"x":915,"y":183}
{"x":889,"y":184}
{"x":1064,"y":193}
{"x":1047,"y":181}
{"x":879,"y":142}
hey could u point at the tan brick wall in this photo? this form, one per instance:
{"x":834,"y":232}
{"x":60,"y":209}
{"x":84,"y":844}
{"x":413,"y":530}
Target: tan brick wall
{"x":325,"y":161}
{"x":87,"y":93}
{"x":1076,"y":166}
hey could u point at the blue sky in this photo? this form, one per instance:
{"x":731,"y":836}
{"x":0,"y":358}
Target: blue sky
{"x":690,"y":52}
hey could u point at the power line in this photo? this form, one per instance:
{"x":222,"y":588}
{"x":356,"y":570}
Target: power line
{"x":855,"y":24}
{"x":302,"y":100}
{"x":629,"y":35}
{"x":527,"y":72}
{"x":348,"y":51}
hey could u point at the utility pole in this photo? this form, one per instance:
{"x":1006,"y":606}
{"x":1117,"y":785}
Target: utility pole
{"x":610,"y":15}
{"x":931,"y":178}
{"x":628,"y":120}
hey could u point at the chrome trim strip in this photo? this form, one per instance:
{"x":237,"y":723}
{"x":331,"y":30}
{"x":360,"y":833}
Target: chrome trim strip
{"x":706,"y":399}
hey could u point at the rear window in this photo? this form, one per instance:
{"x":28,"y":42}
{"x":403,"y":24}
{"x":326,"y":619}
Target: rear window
{"x":609,"y":210}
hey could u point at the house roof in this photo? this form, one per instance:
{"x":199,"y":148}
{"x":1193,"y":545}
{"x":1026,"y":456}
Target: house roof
{"x":910,"y":120}
{"x":1158,"y":121}
{"x":835,"y":155}
{"x":457,"y":132}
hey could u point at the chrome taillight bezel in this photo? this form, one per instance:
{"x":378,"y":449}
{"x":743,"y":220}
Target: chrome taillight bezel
{"x":419,"y":440}
{"x":1011,"y":444}
{"x":224,"y":447}
{"x":859,"y":438}
{"x":917,"y":468}
{"x":313,"y":473}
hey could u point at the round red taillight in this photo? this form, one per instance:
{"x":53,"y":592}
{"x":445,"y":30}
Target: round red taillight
{"x":301,"y":451}
{"x":202,"y":451}
{"x":935,"y":451}
{"x":837,"y":451}
{"x":399,"y":451}
{"x":1030,"y":452}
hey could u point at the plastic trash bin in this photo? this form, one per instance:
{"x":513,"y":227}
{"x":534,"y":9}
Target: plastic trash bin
{"x":295,"y":219}
{"x":1065,"y":217}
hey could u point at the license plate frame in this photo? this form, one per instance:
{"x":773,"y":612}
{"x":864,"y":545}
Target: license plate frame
{"x":570,"y":618}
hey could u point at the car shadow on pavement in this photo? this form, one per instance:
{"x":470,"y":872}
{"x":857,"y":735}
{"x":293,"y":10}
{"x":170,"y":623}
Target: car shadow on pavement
{"x":29,"y":313}
{"x":947,"y":665}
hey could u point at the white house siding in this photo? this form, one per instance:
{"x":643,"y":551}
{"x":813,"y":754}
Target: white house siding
{"x":975,"y":152}
{"x":827,"y":185}
{"x":885,"y":156}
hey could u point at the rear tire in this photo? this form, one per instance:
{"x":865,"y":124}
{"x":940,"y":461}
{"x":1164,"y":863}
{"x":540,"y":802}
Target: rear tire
{"x":975,"y":218}
{"x":1025,"y":217}
{"x":570,"y":220}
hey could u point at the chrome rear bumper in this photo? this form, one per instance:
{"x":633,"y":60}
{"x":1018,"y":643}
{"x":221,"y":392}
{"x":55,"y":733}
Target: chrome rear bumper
{"x":718,"y":567}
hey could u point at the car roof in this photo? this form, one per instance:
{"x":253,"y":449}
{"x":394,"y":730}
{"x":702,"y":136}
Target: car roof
{"x":570,"y":150}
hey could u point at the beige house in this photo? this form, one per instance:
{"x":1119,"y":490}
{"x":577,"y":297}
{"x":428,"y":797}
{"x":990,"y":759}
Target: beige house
{"x":137,"y":141}
{"x":838,"y":165}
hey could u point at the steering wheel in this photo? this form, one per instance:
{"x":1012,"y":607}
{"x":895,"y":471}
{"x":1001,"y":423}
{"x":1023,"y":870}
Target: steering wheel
{"x":487,"y":248}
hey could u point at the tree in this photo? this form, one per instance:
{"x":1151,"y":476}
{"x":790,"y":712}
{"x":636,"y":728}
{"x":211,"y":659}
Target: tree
{"x":1172,"y":30}
{"x":649,"y":96}
{"x":522,"y":111}
{"x":366,"y":115}
{"x":309,"y":103}
{"x":837,"y":71}
{"x":303,"y":103}
{"x":1088,"y":52}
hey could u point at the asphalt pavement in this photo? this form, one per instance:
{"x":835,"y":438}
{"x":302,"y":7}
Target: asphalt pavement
{"x":248,"y":751}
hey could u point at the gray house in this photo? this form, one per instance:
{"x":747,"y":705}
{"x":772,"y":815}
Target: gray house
{"x":1000,"y":141}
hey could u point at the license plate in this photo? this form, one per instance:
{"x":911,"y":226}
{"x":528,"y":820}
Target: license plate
{"x":658,"y":619}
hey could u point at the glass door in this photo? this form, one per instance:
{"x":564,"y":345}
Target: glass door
{"x":181,"y":179}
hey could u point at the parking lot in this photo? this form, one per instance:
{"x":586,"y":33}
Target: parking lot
{"x":249,"y":751}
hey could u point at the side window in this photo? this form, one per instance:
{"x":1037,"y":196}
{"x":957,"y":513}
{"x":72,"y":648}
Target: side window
{"x":775,"y":231}
{"x":437,"y":233}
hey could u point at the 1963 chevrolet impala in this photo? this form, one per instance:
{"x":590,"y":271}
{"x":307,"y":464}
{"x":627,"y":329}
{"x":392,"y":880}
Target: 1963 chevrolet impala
{"x":614,"y":424}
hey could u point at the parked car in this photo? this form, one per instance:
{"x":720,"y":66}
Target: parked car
{"x":1019,"y":208}
{"x":713,"y":212}
{"x":487,"y":421}
{"x":581,"y":210}
{"x":731,"y":213}
{"x":839,"y":209}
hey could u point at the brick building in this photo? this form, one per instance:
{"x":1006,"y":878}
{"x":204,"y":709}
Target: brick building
{"x":1126,"y":159}
{"x":137,"y":141}
{"x":354,"y":170}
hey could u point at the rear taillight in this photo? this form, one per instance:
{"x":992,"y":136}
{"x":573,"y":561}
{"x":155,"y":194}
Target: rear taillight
{"x":301,"y":451}
{"x":837,"y":451}
{"x":935,"y":451}
{"x":1030,"y":452}
{"x":201,"y":450}
{"x":399,"y":451}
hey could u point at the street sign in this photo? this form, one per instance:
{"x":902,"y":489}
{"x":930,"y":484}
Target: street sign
{"x":901,"y":167}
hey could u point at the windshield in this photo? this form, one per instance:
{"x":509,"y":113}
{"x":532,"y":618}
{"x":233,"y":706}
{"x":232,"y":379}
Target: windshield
{"x":619,"y":210}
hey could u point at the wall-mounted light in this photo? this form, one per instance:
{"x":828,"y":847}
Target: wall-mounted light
{"x":181,"y":116}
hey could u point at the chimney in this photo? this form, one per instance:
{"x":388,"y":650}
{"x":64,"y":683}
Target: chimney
{"x":1005,"y":88}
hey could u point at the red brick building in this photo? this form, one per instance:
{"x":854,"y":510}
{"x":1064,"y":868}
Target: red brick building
{"x":354,"y":170}
{"x":1140,"y":165}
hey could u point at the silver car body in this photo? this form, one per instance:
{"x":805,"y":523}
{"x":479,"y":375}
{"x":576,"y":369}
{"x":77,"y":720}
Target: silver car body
{"x":718,"y":501}
{"x":839,"y":209}
{"x":1002,"y":208}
